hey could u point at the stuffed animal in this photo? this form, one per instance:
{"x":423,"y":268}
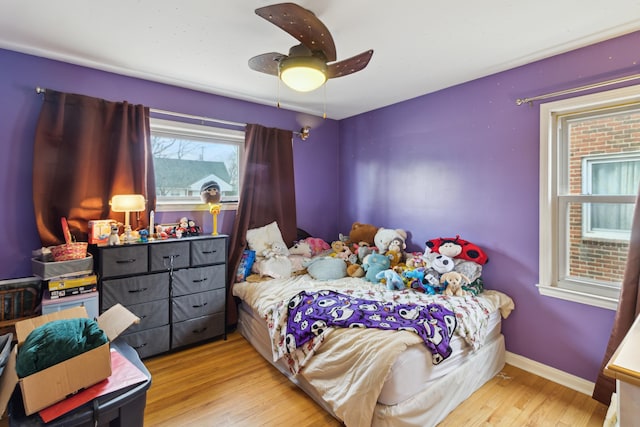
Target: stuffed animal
{"x":340,"y":250}
{"x":471,"y":269}
{"x":391,"y":279}
{"x":317,"y":245}
{"x":373,"y":264}
{"x":113,"y":237}
{"x":301,"y":248}
{"x":453,"y":282}
{"x":457,"y":248}
{"x":440,"y":263}
{"x":415,"y":260}
{"x":355,"y":270}
{"x":276,"y":249}
{"x":326,"y":268}
{"x":384,"y":237}
{"x":362,"y":233}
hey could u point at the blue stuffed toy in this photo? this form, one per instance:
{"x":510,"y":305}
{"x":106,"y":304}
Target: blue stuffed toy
{"x":419,"y":279}
{"x":392,"y":279}
{"x":373,"y":264}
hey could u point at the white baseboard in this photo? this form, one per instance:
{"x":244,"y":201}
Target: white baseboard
{"x":552,"y":374}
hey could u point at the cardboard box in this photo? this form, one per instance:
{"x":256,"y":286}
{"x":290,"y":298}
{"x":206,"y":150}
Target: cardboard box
{"x":54,"y":384}
{"x":99,"y":231}
{"x":51,"y":269}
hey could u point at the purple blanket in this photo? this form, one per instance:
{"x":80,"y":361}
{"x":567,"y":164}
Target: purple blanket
{"x":310,"y":313}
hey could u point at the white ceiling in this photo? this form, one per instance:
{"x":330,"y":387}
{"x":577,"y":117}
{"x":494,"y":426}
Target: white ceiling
{"x":420,"y":46}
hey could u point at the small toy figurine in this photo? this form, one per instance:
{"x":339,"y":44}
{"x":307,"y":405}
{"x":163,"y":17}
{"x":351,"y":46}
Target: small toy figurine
{"x":113,"y":237}
{"x":144,"y":235}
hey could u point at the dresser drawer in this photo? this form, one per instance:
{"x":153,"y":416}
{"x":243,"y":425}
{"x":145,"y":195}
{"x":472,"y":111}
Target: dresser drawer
{"x":196,"y":305}
{"x":167,"y":256}
{"x":199,"y":279}
{"x":198,"y":329}
{"x":135,"y":290}
{"x":150,"y":341}
{"x":123,"y":260}
{"x":152,"y":314}
{"x":209,"y":251}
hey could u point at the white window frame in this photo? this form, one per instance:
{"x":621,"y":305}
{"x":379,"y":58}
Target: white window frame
{"x":587,"y":179}
{"x":198,"y":132}
{"x":553,"y":237}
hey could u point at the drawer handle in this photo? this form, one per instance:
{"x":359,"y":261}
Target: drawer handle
{"x":140,"y":346}
{"x":126,"y":261}
{"x":171,"y":256}
{"x":135,"y":291}
{"x":209,"y":252}
{"x":201,"y":305}
{"x":199,"y":331}
{"x":199,"y":280}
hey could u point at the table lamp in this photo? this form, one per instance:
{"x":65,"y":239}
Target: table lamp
{"x":127,"y":203}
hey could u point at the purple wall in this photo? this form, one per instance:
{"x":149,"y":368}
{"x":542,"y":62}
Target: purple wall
{"x":20,"y":106}
{"x":465,"y":161}
{"x":460,"y":161}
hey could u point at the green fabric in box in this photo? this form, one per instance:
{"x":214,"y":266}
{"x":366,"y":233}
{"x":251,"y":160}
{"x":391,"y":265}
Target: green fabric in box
{"x":57,"y":341}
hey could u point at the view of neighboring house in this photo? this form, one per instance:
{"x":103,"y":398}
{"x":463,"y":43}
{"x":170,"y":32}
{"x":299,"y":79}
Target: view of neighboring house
{"x":179,"y":177}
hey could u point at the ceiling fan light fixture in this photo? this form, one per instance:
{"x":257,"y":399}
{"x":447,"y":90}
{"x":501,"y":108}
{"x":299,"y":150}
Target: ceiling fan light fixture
{"x":303,"y":74}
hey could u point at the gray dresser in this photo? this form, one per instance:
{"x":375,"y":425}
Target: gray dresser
{"x":176,"y":287}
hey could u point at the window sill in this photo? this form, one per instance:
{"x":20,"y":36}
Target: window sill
{"x":579,"y":297}
{"x":191,"y":207}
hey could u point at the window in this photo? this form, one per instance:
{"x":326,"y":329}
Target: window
{"x":609,"y":175}
{"x":589,"y":177}
{"x":186,"y":155}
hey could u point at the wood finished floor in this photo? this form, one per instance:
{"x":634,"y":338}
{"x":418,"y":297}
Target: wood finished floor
{"x":210,"y":385}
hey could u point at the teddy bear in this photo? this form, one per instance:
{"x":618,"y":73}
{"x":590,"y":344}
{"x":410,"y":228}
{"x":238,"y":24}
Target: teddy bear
{"x":391,"y":279}
{"x":276,"y":249}
{"x":373,"y":264}
{"x":361,"y":232}
{"x":340,"y":250}
{"x":453,"y":282}
{"x":384,"y":237}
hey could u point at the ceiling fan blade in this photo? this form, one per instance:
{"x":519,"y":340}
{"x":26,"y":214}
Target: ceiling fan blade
{"x":302,"y":24}
{"x":267,"y":62}
{"x":349,"y":66}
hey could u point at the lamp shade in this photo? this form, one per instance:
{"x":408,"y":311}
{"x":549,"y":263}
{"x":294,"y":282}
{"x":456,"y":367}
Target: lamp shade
{"x":303,"y":74}
{"x":127,"y":203}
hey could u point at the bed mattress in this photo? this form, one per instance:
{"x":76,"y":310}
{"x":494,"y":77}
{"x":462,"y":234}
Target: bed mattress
{"x":410,"y":374}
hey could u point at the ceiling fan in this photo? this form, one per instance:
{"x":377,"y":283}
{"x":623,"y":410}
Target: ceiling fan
{"x":311,"y":63}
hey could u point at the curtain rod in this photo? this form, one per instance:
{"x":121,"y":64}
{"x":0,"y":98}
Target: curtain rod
{"x":302,"y":133}
{"x":201,"y":118}
{"x":521,"y":101}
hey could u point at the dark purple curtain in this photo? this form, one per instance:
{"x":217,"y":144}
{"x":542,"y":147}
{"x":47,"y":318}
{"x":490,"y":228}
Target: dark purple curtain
{"x":628,"y":309}
{"x":267,"y":195}
{"x":86,"y":150}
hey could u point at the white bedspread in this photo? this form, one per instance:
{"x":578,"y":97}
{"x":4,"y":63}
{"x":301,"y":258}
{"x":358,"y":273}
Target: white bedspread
{"x":348,"y":367}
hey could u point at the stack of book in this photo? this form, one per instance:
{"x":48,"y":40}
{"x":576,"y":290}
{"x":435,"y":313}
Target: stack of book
{"x":61,"y":287}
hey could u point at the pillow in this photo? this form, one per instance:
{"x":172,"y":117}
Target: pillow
{"x":260,"y":239}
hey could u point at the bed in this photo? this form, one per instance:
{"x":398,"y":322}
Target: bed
{"x":368,"y":376}
{"x":375,"y":344}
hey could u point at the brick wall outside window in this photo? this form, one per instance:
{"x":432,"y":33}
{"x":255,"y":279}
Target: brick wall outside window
{"x":598,"y":259}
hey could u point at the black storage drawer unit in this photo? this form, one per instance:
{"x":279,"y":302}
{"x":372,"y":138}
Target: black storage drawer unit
{"x":176,"y":287}
{"x":123,"y":261}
